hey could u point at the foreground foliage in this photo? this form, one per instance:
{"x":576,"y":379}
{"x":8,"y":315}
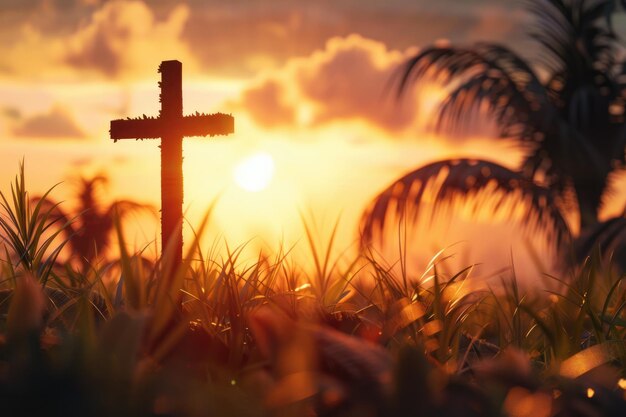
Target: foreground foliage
{"x":225,"y":337}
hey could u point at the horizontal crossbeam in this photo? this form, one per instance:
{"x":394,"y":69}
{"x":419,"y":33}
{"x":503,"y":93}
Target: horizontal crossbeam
{"x":154,"y":128}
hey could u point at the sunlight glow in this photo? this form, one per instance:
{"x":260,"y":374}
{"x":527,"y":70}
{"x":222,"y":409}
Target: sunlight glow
{"x":255,"y":172}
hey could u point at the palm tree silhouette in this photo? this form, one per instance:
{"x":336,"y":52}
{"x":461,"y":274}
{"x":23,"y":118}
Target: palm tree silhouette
{"x":569,"y":121}
{"x":89,"y":229}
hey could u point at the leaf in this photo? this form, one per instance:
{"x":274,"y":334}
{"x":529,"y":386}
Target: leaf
{"x":401,"y":314}
{"x":588,"y":359}
{"x":460,"y":178}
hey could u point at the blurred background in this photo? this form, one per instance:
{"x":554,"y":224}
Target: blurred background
{"x":319,"y":129}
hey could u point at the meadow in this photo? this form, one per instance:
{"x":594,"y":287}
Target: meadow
{"x":348,"y":336}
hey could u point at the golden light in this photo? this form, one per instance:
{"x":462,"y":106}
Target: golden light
{"x":255,"y":172}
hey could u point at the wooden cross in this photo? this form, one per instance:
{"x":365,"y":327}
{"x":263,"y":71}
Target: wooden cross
{"x":171,"y":126}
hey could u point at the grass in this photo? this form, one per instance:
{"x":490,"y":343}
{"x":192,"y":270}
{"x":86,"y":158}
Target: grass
{"x":351,"y":336}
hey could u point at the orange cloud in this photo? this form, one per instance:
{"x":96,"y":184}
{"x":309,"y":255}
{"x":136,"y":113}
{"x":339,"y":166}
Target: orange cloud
{"x":347,"y":80}
{"x":241,"y":37}
{"x":227,"y":38}
{"x":57,"y":123}
{"x":118,"y":39}
{"x":11,"y":113}
{"x":268,"y":105}
{"x":124,"y":37}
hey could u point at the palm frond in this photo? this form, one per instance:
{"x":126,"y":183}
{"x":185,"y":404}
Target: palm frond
{"x":571,"y":33}
{"x":486,"y":73}
{"x":564,"y":154}
{"x":461,"y":178}
{"x":580,"y":51}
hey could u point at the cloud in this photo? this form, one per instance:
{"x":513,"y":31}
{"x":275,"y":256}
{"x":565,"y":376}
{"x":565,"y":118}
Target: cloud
{"x":53,"y":38}
{"x":117,"y":39}
{"x":10,"y":112}
{"x":243,"y":37}
{"x":124,"y":37}
{"x":347,"y":80}
{"x":268,"y":105}
{"x":57,"y":123}
{"x":350,"y":79}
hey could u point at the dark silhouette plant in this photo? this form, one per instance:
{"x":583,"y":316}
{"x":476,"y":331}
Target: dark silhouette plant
{"x":89,"y":228}
{"x":565,"y":111}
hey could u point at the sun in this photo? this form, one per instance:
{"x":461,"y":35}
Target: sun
{"x":255,"y":172}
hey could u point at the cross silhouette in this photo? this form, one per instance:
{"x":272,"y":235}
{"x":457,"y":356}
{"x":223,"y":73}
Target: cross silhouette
{"x":171,"y":126}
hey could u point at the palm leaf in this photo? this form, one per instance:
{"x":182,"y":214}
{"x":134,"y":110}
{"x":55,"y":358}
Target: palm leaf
{"x":488,"y":73}
{"x":580,"y":53}
{"x":462,"y":178}
{"x":572,"y":36}
{"x":565,"y":154}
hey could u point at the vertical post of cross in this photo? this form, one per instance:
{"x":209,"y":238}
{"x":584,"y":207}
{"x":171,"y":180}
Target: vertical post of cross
{"x":172,"y":160}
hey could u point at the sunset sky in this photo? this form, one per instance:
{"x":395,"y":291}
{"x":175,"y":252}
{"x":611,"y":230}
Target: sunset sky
{"x":305,"y":80}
